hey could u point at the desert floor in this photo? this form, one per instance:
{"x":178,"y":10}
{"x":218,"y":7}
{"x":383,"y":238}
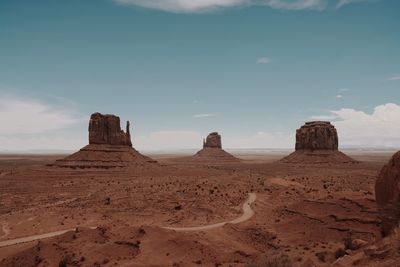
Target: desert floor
{"x":118,"y":217}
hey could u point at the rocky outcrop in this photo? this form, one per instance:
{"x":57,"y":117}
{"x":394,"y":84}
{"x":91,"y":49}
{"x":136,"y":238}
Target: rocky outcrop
{"x":109,"y":147}
{"x":106,"y":129}
{"x":387,"y":194}
{"x":317,"y":142}
{"x":213,"y":140}
{"x":317,"y":135}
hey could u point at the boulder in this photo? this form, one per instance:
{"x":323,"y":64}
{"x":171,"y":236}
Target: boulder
{"x":387,"y":194}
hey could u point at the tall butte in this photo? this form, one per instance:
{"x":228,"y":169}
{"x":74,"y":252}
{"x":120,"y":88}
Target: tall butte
{"x":212,"y":152}
{"x":317,"y":142}
{"x":109,"y":146}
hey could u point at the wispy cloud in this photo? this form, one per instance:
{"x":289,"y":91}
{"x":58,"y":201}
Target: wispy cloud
{"x":31,"y":116}
{"x":394,"y":78}
{"x":205,"y":115}
{"x":339,"y":96}
{"x":348,"y":2}
{"x":263,"y":60}
{"x":199,"y":6}
{"x":323,"y":117}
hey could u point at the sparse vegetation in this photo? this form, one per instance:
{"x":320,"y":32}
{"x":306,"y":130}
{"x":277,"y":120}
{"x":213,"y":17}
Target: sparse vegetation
{"x":340,"y":252}
{"x":348,"y":243}
{"x":63,"y":262}
{"x":281,"y":260}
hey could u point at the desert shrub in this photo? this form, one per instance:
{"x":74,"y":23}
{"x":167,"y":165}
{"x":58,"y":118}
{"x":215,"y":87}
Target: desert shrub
{"x":281,"y":260}
{"x":63,"y":262}
{"x":340,"y":252}
{"x":348,"y":243}
{"x":321,"y":256}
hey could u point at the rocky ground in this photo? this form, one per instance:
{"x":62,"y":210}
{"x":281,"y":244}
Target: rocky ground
{"x":317,"y":215}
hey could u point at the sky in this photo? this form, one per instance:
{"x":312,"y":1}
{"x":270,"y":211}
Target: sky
{"x":253,"y":70}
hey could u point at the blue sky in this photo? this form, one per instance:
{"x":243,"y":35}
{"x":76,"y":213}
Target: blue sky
{"x":252,"y":70}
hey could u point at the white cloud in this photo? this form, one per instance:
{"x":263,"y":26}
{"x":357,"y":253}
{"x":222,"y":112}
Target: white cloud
{"x":347,"y":2}
{"x":339,"y":96}
{"x":263,"y":60}
{"x":323,"y":117}
{"x":380,"y":128}
{"x":394,"y":78}
{"x":205,"y":115}
{"x":196,"y":6}
{"x":344,"y":89}
{"x":28,"y":116}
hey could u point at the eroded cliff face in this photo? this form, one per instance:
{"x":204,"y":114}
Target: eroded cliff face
{"x":317,"y":135}
{"x":106,"y":129}
{"x":387,"y":194}
{"x":213,"y":140}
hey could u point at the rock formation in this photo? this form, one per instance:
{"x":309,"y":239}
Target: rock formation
{"x":317,"y":135}
{"x":212,"y":152}
{"x":213,"y":140}
{"x":317,"y":142}
{"x":387,"y":194}
{"x":109,"y":146}
{"x":106,"y":129}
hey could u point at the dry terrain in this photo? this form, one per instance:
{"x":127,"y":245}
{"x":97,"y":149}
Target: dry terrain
{"x":120,"y":216}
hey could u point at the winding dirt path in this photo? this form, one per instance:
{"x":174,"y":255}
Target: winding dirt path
{"x":35,"y":237}
{"x":32,"y":238}
{"x":247,"y":214}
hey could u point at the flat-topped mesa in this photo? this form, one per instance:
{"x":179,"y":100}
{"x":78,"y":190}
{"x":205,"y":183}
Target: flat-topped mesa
{"x":317,"y":142}
{"x":317,"y":135}
{"x":106,"y":129}
{"x":387,"y":194}
{"x":213,"y":140}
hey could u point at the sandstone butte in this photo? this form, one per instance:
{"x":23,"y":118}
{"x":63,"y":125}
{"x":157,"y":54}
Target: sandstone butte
{"x":317,"y":142}
{"x":108,"y":147}
{"x":212,"y":152}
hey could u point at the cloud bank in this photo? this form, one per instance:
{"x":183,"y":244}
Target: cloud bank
{"x":199,"y":6}
{"x":27,"y":116}
{"x":355,"y":127}
{"x":30,"y":124}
